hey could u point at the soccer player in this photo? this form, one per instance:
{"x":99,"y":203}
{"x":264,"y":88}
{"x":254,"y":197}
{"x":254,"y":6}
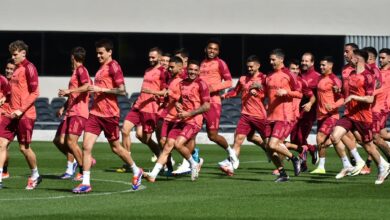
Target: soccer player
{"x":350,"y":139}
{"x":5,"y":92}
{"x":379,"y":109}
{"x":302,"y":128}
{"x":185,"y":167}
{"x":216,"y":74}
{"x":193,"y":101}
{"x":144,"y":111}
{"x":361,"y":84}
{"x":104,"y":115}
{"x":164,"y":60}
{"x":76,"y":114}
{"x":384,"y":61}
{"x":253,"y":113}
{"x":303,"y":87}
{"x":328,"y":102}
{"x":20,"y":114}
{"x":281,"y":88}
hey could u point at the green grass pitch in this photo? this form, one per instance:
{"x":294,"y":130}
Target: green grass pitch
{"x":249,"y":194}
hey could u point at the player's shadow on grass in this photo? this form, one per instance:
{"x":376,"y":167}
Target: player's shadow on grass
{"x":113,"y":170}
{"x":51,"y":176}
{"x":330,"y":179}
{"x":66,"y":190}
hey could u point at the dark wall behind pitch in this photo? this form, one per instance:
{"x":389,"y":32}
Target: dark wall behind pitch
{"x":49,"y":51}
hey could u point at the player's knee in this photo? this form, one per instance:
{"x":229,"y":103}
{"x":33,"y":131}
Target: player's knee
{"x":334,"y":139}
{"x":162,"y":142}
{"x":212,"y":136}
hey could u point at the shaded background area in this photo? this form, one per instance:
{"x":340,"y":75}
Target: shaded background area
{"x":49,"y":51}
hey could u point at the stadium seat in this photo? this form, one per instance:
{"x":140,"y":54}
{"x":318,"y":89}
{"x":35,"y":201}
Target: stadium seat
{"x":133,"y":97}
{"x":45,"y":117}
{"x":41,"y":102}
{"x":57,"y":102}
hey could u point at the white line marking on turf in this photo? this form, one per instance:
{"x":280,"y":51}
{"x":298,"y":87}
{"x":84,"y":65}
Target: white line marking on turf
{"x":142,"y":187}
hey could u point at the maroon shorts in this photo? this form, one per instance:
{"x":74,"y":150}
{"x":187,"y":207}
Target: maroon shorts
{"x":134,"y":116}
{"x":378,"y":121}
{"x":188,"y":131}
{"x":166,"y":128}
{"x":148,"y":121}
{"x":72,"y":125}
{"x":22,"y":128}
{"x":363,"y":128}
{"x":110,"y":126}
{"x":326,"y":125}
{"x":248,"y":124}
{"x":213,"y":116}
{"x":278,"y":129}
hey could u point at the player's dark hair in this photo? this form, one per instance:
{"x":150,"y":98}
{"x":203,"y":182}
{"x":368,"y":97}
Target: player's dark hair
{"x":311,"y":56}
{"x":293,"y":61}
{"x":156,"y":49}
{"x":353,"y":45}
{"x":79,"y":54}
{"x":195,"y":62}
{"x":183,"y":52}
{"x":361,"y":53}
{"x":214,"y":41}
{"x":328,"y":59}
{"x":278,"y":52}
{"x":371,"y":50}
{"x":385,"y":50}
{"x":176,"y":60}
{"x":107,"y":44}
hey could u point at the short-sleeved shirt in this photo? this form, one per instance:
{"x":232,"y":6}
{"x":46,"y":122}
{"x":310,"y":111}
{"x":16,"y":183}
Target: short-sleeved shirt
{"x":108,"y":76}
{"x":280,"y":108}
{"x":251,"y":105}
{"x":169,"y":113}
{"x":153,"y":80}
{"x":193,"y":95}
{"x":327,"y":95}
{"x":217,"y":75}
{"x":362,"y":84}
{"x":24,"y":90}
{"x":78,"y":102}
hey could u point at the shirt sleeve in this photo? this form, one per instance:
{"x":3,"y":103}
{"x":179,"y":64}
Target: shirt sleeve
{"x":369,"y":84}
{"x":117,"y":74}
{"x":234,"y":92}
{"x":83,"y":75}
{"x":204,"y":91}
{"x":225,"y":75}
{"x":292,"y":79}
{"x":32,"y":83}
{"x":164,"y":78}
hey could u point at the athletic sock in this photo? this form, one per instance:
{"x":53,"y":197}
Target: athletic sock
{"x":346,"y":162}
{"x":134,"y":168}
{"x":34,"y":173}
{"x":81,"y":169}
{"x":282,"y":172}
{"x":382,"y":164}
{"x":321,"y":163}
{"x":231,"y":151}
{"x":69,"y":168}
{"x":156,"y":169}
{"x":356,"y":155}
{"x":86,"y":177}
{"x":5,"y":169}
{"x":193,"y":163}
